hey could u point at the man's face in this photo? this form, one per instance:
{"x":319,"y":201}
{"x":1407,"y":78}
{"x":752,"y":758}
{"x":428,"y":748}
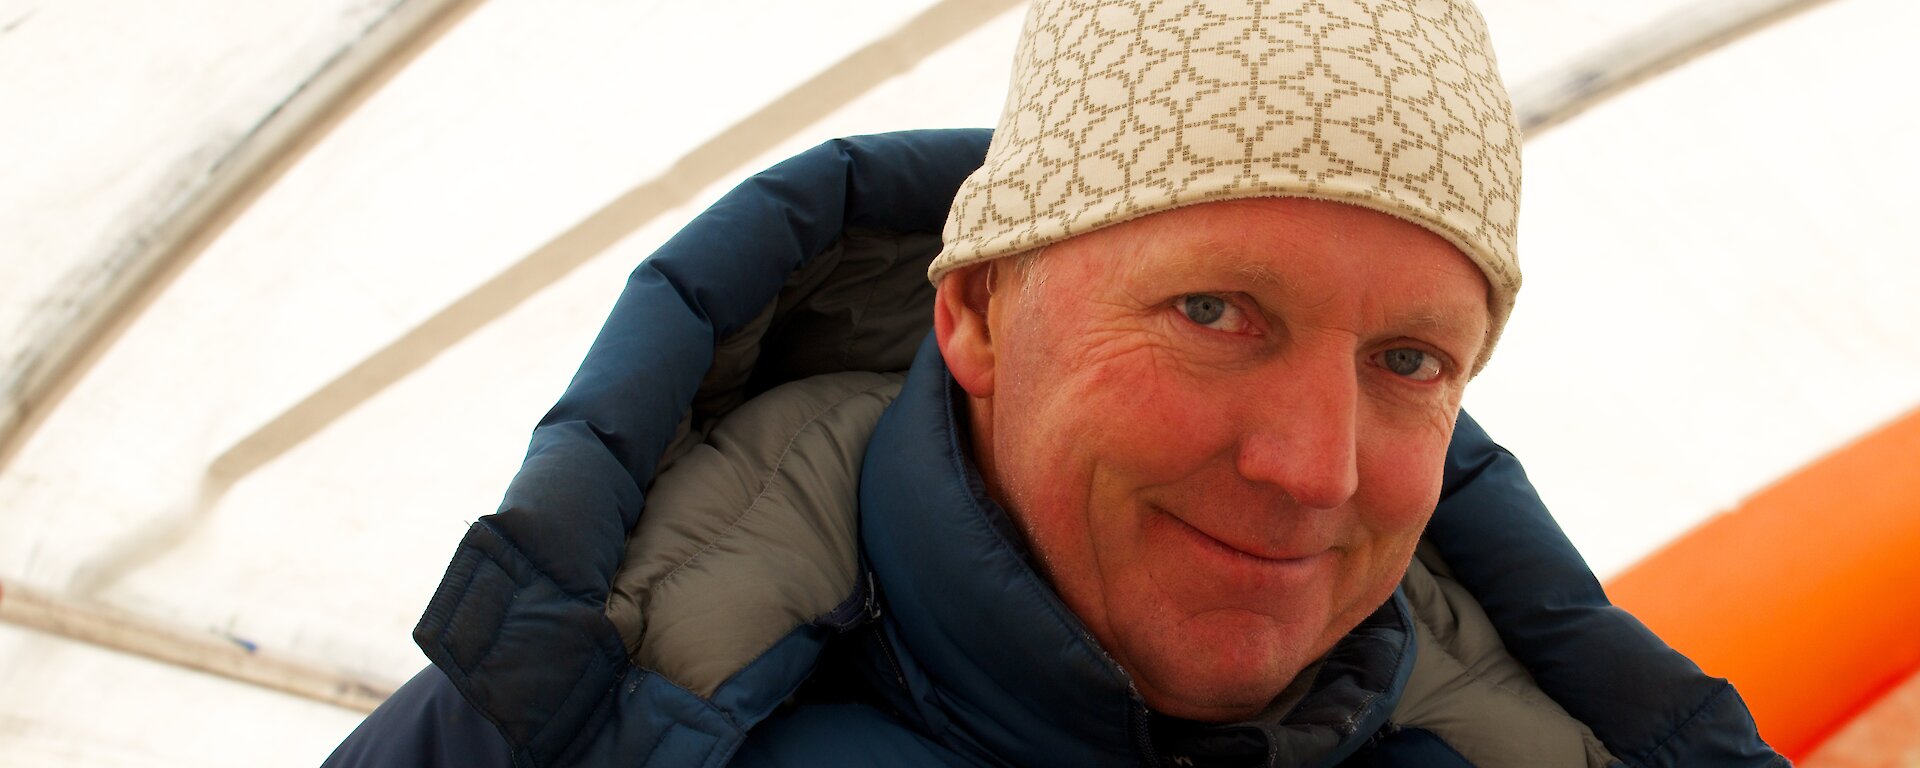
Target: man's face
{"x":1222,"y":428}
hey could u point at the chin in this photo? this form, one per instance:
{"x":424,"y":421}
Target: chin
{"x":1223,"y":667}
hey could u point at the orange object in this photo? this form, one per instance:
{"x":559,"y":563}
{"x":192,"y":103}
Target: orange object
{"x":1807,"y":596}
{"x":1886,"y":734}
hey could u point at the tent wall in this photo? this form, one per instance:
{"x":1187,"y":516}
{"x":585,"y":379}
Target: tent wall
{"x":285,"y":444}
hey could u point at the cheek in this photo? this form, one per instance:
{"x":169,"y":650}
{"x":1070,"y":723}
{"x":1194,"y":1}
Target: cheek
{"x":1153,"y":421}
{"x":1092,"y":435}
{"x":1400,"y":473}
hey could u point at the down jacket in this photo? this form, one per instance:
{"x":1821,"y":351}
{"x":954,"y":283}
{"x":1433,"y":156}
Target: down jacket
{"x":744,"y":537}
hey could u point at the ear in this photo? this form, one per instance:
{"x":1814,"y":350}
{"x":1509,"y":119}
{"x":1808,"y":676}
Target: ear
{"x":961,"y":329}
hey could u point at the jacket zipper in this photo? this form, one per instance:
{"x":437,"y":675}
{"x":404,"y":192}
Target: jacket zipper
{"x":1141,"y":724}
{"x":880,"y":631}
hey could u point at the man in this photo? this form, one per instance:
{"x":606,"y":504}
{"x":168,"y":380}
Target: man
{"x":1223,"y":447}
{"x":1151,"y":493}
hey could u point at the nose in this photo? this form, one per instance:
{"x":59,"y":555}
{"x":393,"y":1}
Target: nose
{"x":1298,"y":434}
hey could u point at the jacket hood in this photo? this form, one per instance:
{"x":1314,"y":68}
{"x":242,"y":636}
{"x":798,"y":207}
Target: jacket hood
{"x":756,"y":292}
{"x":749,"y":295}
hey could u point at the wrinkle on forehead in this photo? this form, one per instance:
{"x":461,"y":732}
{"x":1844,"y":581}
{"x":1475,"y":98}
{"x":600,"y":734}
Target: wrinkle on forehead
{"x":1462,"y":322}
{"x":1146,"y":250}
{"x":1209,"y":255}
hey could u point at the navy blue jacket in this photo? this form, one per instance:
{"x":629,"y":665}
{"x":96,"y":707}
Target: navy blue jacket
{"x":528,"y":671}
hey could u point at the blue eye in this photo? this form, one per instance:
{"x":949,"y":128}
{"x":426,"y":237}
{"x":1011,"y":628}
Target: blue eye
{"x":1204,"y":309}
{"x":1411,"y":363}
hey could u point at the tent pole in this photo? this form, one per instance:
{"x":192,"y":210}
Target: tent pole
{"x":858,"y":73}
{"x":93,"y":304}
{"x":225,"y":656}
{"x":1565,"y":92}
{"x":714,"y":160}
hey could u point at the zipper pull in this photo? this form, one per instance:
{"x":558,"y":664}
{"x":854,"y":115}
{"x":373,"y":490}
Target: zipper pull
{"x":873,"y":598}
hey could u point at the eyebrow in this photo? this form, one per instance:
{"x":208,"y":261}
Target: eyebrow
{"x":1456,"y":325}
{"x":1439,"y":320}
{"x":1207,"y":258}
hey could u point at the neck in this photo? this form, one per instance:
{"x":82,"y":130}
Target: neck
{"x":979,"y":416}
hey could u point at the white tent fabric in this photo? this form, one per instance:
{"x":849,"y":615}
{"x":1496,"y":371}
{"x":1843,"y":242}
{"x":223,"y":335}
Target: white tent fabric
{"x":283,"y":442}
{"x":114,"y":109}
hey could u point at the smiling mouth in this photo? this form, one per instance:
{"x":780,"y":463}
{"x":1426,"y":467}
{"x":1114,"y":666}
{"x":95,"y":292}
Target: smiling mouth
{"x":1272,"y":558}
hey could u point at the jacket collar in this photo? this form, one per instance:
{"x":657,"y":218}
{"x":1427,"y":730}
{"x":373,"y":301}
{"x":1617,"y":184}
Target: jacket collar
{"x":997,"y":665}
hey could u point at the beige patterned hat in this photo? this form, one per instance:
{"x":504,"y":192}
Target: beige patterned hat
{"x":1121,"y":108}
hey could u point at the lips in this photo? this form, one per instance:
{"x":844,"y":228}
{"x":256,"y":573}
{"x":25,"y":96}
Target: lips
{"x":1295,"y":556}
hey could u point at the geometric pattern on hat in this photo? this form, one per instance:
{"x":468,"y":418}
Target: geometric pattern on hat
{"x":1122,"y":108}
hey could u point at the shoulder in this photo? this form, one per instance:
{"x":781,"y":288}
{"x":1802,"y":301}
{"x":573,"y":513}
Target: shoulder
{"x":752,"y":533}
{"x":1467,"y":693}
{"x":779,"y":281}
{"x":1647,"y":703}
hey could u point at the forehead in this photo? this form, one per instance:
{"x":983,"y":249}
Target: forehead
{"x":1295,"y":250}
{"x":1252,"y":233}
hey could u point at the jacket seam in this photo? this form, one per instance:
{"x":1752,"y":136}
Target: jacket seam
{"x":1440,"y":740}
{"x":1469,"y":474}
{"x":1408,"y":638}
{"x":1469,"y":673}
{"x":1645,"y":758}
{"x":460,"y":601}
{"x":866,"y":302}
{"x":657,"y":743}
{"x":766,"y":486}
{"x":493,"y":647}
{"x":1584,"y":731}
{"x":580,"y":733}
{"x":727,"y":715}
